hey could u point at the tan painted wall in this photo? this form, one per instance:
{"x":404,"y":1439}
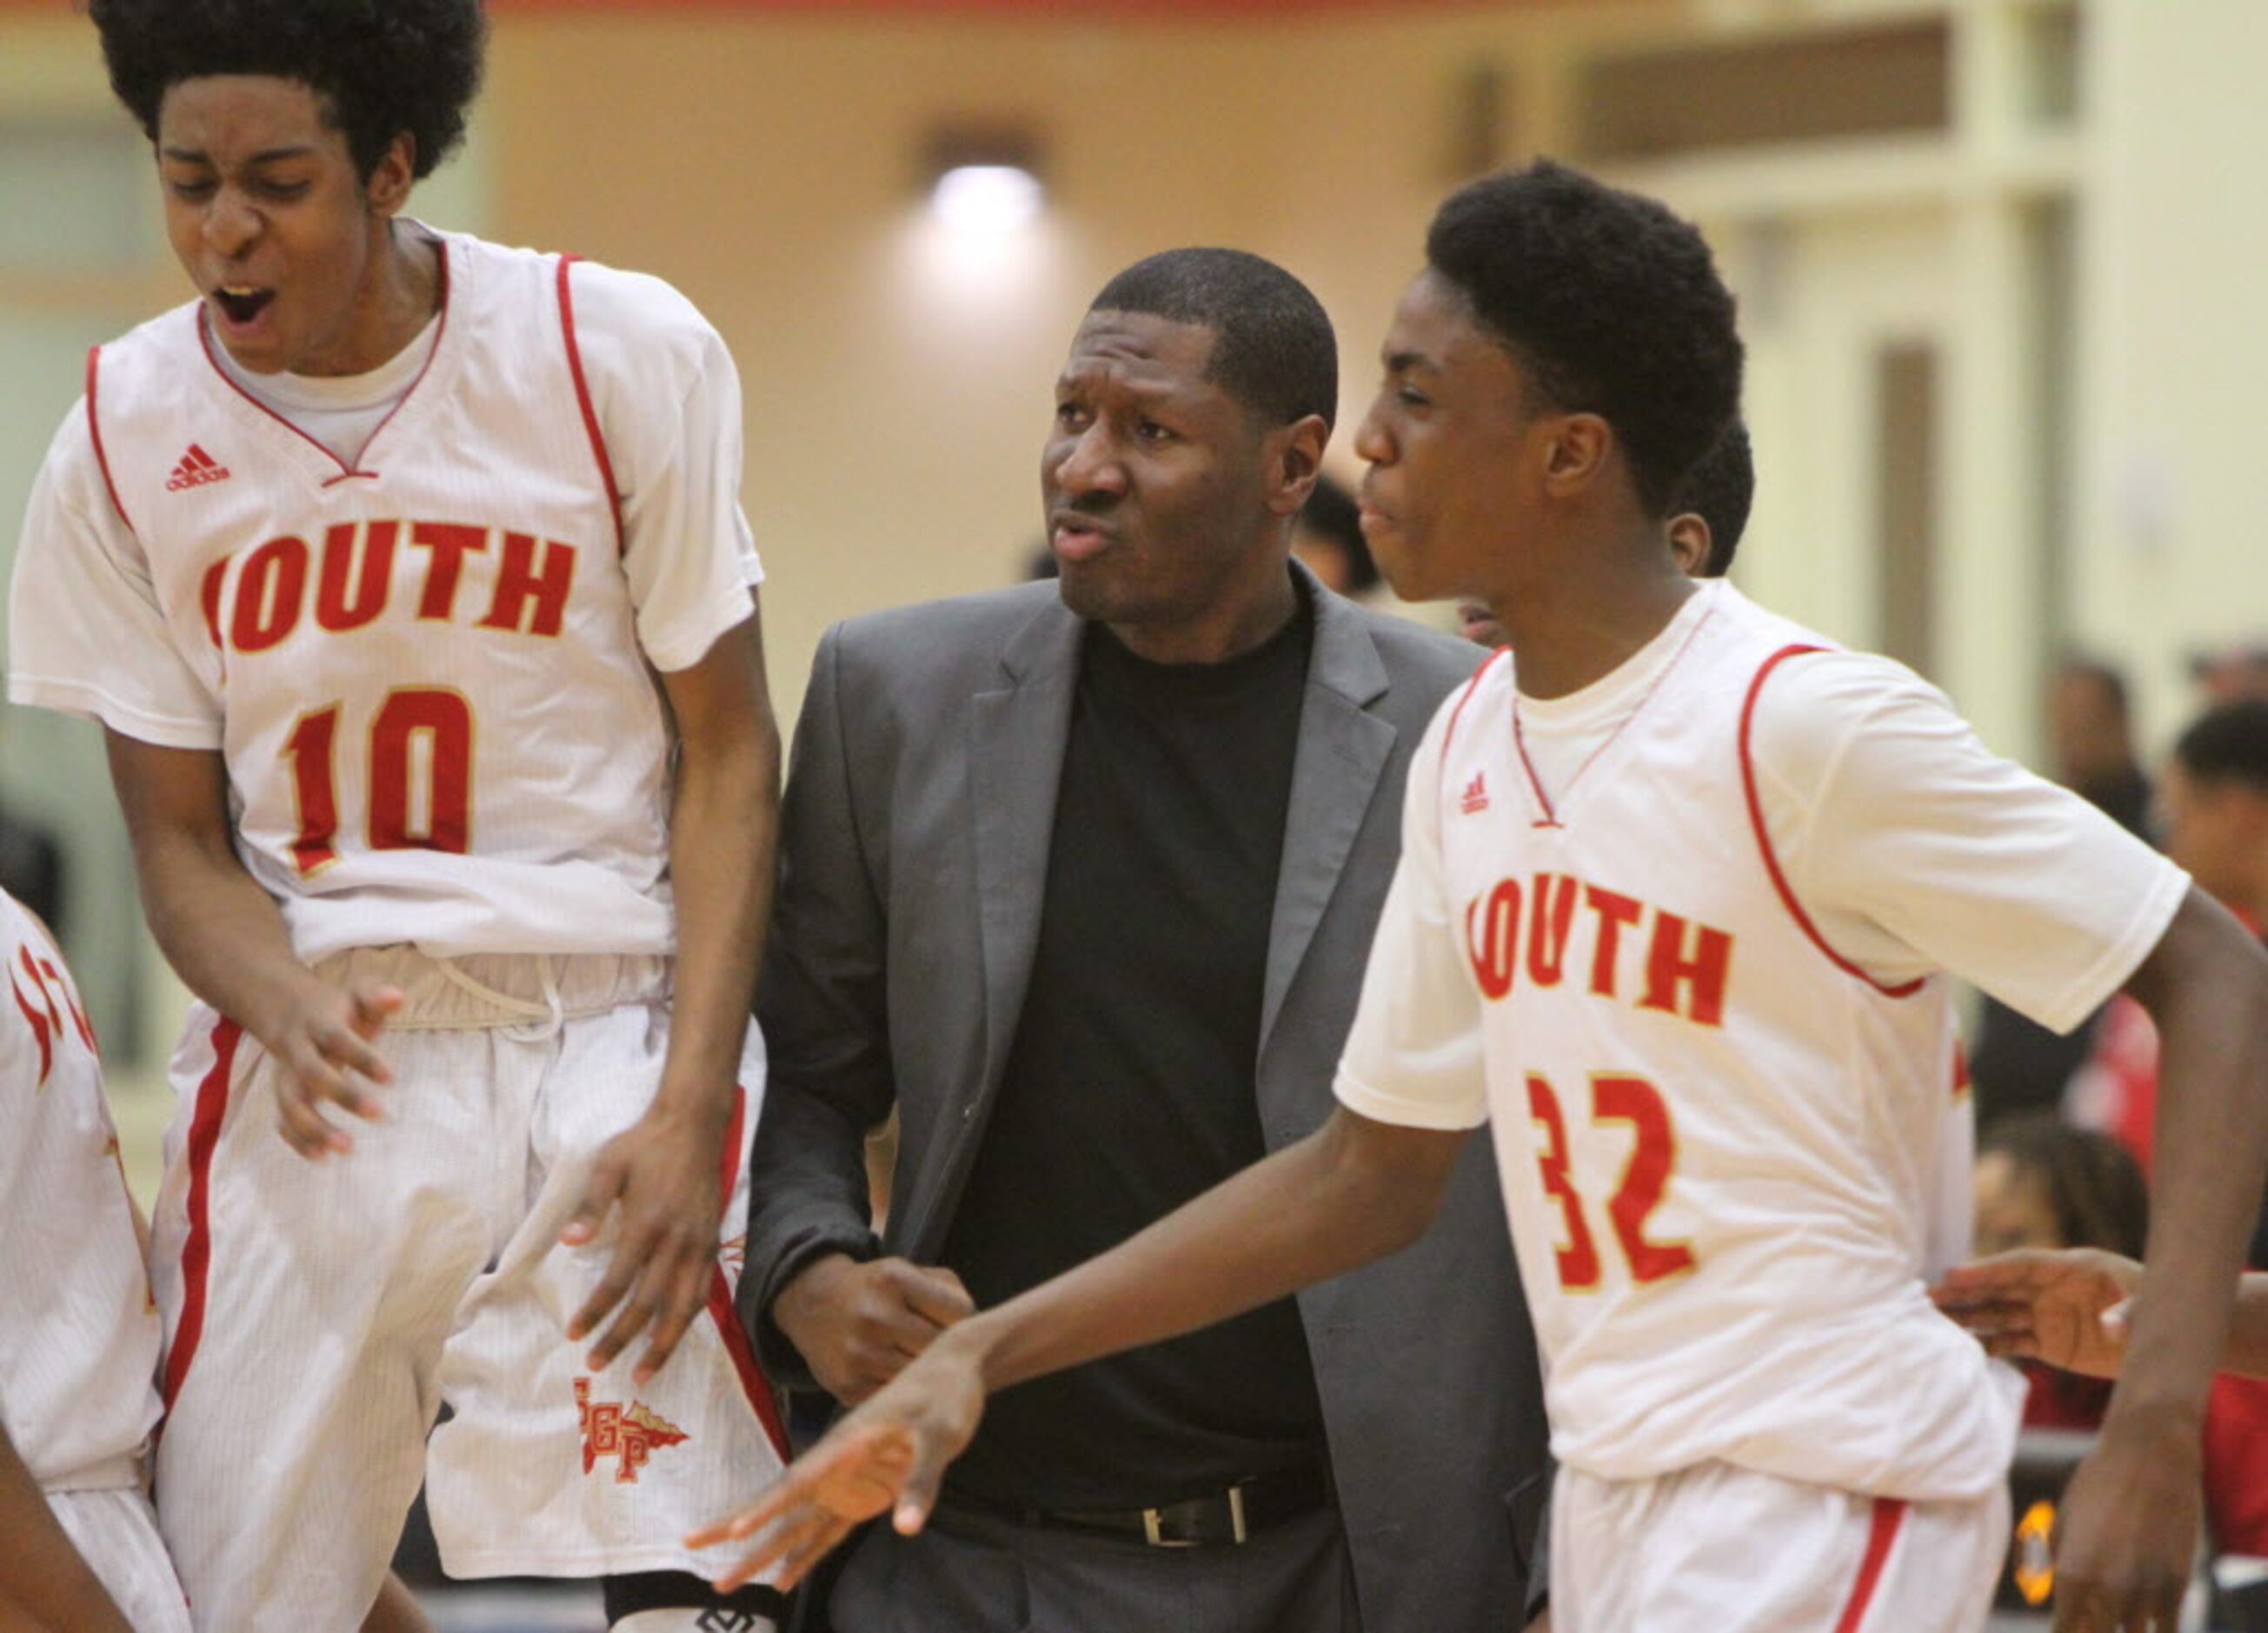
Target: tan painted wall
{"x":894,"y":418}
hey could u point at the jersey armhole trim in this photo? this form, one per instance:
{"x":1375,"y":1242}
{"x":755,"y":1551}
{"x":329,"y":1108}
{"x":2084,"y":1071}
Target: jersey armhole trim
{"x":1905,"y":989}
{"x":94,"y":434}
{"x":583,"y":399}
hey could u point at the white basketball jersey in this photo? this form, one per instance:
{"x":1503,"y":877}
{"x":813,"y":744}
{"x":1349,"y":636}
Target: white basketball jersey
{"x":438,"y":723}
{"x":1722,"y":1148}
{"x":78,"y":1330}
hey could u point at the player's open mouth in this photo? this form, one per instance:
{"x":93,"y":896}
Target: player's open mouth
{"x":242,"y":306}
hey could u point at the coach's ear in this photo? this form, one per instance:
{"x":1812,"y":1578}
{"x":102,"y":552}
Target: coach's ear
{"x":1295,"y":456}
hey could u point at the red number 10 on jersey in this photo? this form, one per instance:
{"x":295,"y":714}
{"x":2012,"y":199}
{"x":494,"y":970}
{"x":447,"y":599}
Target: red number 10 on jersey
{"x":1615,"y":1098}
{"x":416,"y":728}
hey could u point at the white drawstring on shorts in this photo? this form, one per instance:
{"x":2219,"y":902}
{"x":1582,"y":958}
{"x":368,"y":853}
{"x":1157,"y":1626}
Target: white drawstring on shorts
{"x":544,"y":1018}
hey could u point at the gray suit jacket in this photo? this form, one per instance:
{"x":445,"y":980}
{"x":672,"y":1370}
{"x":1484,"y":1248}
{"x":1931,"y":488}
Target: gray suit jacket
{"x":919,"y":809}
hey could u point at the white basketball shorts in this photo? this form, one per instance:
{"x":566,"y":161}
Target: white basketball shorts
{"x":116,"y":1534}
{"x":1720,"y":1550}
{"x":318,"y":1314}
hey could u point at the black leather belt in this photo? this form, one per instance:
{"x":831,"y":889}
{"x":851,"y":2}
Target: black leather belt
{"x":1236,"y":1515}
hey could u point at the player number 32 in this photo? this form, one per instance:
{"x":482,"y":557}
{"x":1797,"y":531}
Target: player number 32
{"x":420,"y":780}
{"x":1653,"y":1152}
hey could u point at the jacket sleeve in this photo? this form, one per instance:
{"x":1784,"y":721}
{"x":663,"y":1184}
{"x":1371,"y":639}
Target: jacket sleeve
{"x":821,"y":1003}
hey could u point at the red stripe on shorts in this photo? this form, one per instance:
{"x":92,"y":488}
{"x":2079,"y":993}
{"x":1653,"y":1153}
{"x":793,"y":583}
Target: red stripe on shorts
{"x":197,"y":1251}
{"x":1889,"y":1513}
{"x":753,"y":1383}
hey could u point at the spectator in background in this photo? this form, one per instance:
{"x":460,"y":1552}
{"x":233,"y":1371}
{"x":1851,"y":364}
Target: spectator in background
{"x":1327,"y":540}
{"x":2215,"y":804}
{"x":2225,"y":674}
{"x":32,"y":867}
{"x":2019,"y":1067}
{"x":2042,"y":1183}
{"x":2091,"y":738}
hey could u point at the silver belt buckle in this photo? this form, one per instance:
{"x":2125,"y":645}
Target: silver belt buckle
{"x":1153,"y":1532}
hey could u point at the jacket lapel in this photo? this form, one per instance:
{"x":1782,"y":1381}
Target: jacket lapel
{"x":1342,"y":753}
{"x":1017,"y":734}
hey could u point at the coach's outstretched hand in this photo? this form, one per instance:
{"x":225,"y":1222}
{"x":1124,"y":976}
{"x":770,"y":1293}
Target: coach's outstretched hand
{"x":889,"y":1455}
{"x":2066,"y":1307}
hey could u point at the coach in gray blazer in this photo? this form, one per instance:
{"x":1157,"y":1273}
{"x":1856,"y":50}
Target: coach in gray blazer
{"x":1080,"y":879}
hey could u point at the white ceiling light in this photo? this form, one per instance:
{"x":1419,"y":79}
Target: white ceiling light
{"x":987,"y":201}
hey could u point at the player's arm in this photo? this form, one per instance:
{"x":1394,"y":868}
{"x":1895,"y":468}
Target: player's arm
{"x":665,"y":1171}
{"x":1352,"y":1192}
{"x":2247,"y":1351}
{"x":2071,"y":1308}
{"x":226,"y":938}
{"x":2133,"y":1510}
{"x":44,"y":1582}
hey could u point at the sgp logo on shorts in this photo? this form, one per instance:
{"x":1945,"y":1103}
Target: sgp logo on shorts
{"x":630,"y":1434}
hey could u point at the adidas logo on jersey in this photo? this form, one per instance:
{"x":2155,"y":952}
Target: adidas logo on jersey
{"x":197,"y":469}
{"x":1474,"y":798}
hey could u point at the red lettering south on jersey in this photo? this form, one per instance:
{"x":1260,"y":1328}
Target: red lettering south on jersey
{"x":1512,"y":930}
{"x":257,"y":601}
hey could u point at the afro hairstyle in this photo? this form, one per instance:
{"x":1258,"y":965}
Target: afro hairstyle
{"x":380,"y":67}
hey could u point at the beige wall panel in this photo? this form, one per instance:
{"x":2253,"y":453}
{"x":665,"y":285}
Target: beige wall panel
{"x":771,"y":170}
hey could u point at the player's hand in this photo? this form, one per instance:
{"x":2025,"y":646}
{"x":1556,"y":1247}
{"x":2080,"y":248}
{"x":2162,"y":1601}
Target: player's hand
{"x":662,"y":1173}
{"x":323,"y":1036}
{"x":2128,"y":1532}
{"x":2065,"y":1307}
{"x":890,"y":1455}
{"x":857,"y":1325}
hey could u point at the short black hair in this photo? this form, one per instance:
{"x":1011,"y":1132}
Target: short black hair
{"x":2228,"y":744}
{"x":1273,"y":347}
{"x":2094,"y":1185}
{"x":1610,"y":303}
{"x":1720,"y":489}
{"x":1332,"y":513}
{"x":380,"y":67}
{"x":2104,"y":676}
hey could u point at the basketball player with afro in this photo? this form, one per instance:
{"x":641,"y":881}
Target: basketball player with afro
{"x":406,"y":576}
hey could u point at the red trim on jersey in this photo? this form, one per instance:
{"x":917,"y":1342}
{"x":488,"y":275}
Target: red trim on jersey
{"x":583,"y":397}
{"x":1464,"y":697}
{"x":197,"y":1251}
{"x":1519,"y":739}
{"x":720,"y":1300}
{"x":346,"y":471}
{"x":1550,"y":817}
{"x":95,"y":431}
{"x":1889,"y":1513}
{"x":1764,"y":835}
